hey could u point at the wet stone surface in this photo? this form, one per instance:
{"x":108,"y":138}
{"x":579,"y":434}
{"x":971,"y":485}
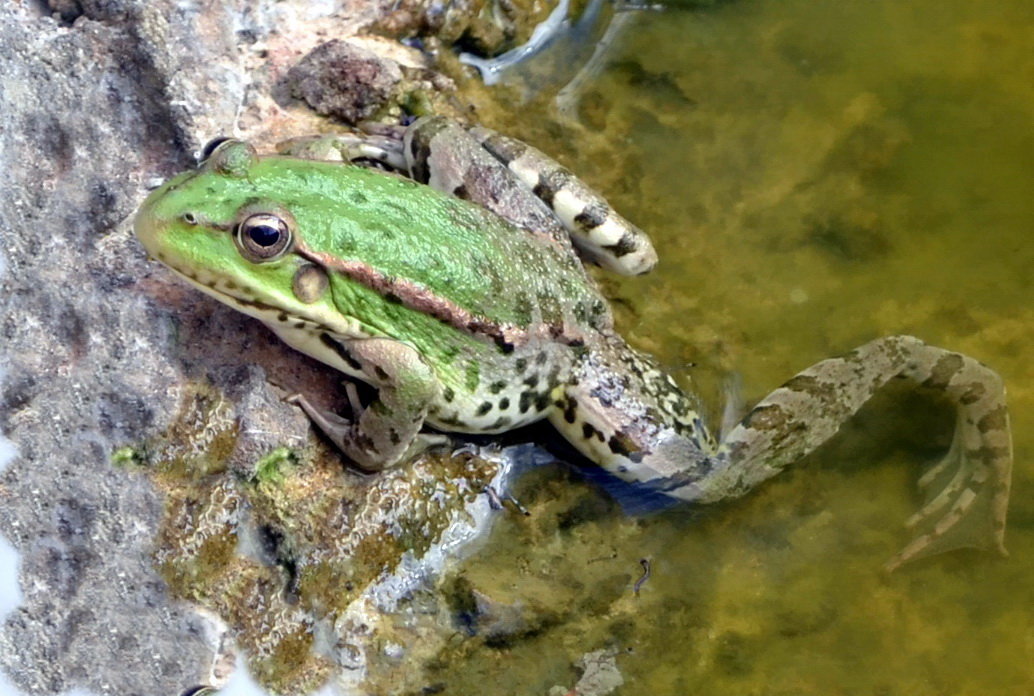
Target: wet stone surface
{"x":164,"y":501}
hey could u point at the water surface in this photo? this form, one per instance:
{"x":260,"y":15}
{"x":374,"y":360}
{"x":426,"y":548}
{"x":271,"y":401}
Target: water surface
{"x":815,"y":175}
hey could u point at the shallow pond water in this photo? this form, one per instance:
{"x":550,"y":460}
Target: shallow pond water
{"x":814,"y":175}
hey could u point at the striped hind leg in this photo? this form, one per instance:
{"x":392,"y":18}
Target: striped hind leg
{"x":967,"y":493}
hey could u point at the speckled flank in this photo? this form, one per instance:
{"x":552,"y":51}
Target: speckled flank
{"x":629,"y":416}
{"x":511,"y":390}
{"x":596,"y":229}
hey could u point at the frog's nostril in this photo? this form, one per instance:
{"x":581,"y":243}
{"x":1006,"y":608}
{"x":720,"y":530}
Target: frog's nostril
{"x":189,"y":218}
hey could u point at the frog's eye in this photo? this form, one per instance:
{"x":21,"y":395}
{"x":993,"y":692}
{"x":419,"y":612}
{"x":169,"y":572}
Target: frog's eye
{"x":263,"y":237}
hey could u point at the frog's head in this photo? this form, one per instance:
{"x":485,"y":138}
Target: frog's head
{"x":228,"y":228}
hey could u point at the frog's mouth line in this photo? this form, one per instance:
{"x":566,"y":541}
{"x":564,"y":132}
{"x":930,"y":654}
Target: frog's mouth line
{"x":260,"y":310}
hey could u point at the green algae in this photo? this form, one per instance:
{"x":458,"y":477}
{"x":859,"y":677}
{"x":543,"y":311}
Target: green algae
{"x":275,"y":543}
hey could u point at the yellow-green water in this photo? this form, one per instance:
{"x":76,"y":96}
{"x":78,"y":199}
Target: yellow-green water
{"x":814,"y":174}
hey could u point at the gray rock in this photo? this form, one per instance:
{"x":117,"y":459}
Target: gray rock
{"x":104,"y":353}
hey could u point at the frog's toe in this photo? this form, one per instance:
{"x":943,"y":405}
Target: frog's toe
{"x":336,"y":427}
{"x":967,"y":494}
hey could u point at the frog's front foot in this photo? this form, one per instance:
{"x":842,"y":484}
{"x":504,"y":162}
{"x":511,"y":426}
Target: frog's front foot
{"x":346,"y":435}
{"x":388,"y":430}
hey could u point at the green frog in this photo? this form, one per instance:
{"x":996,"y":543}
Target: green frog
{"x":445,"y":266}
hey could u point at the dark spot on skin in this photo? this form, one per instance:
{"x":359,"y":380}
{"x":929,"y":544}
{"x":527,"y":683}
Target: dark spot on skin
{"x":448,"y":394}
{"x":503,"y":345}
{"x":622,"y":445}
{"x":532,"y":381}
{"x":943,"y":371}
{"x":358,"y":197}
{"x":808,"y":384}
{"x":504,"y":404}
{"x":281,"y":317}
{"x":299,"y":325}
{"x":987,"y":454}
{"x":544,"y":193}
{"x":392,"y":298}
{"x":997,"y":419}
{"x":541,"y":358}
{"x":605,"y":398}
{"x":551,"y":312}
{"x":554,"y":377}
{"x":497,"y":387}
{"x":500,"y":422}
{"x":394,"y":437}
{"x":570,"y":411}
{"x":380,"y":373}
{"x":520,"y":365}
{"x":526,"y":400}
{"x":973,"y":393}
{"x":483,"y":408}
{"x":592,"y":216}
{"x":624,"y":246}
{"x":461,"y":192}
{"x":549,"y":183}
{"x":769,"y":417}
{"x":341,"y":352}
{"x":588,"y":431}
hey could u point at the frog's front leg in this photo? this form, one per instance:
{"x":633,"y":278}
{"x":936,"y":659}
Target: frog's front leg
{"x":971,"y":483}
{"x":388,"y":430}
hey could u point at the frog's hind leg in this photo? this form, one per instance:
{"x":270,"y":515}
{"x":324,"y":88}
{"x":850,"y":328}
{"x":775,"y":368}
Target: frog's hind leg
{"x":967,"y":492}
{"x":597,"y":230}
{"x":348,"y":147}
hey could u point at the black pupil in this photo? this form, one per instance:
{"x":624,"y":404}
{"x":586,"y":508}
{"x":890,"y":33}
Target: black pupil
{"x":264,"y":235}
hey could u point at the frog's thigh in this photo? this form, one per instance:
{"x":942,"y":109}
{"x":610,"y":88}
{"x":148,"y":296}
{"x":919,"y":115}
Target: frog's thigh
{"x":388,"y":430}
{"x":346,"y":147}
{"x":971,"y":483}
{"x":595,"y":228}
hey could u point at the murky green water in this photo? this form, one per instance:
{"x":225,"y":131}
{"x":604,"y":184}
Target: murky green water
{"x":815,"y":174}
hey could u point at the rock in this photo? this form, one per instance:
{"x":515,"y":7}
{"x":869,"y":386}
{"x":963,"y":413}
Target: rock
{"x":164,"y":500}
{"x":345,"y":81}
